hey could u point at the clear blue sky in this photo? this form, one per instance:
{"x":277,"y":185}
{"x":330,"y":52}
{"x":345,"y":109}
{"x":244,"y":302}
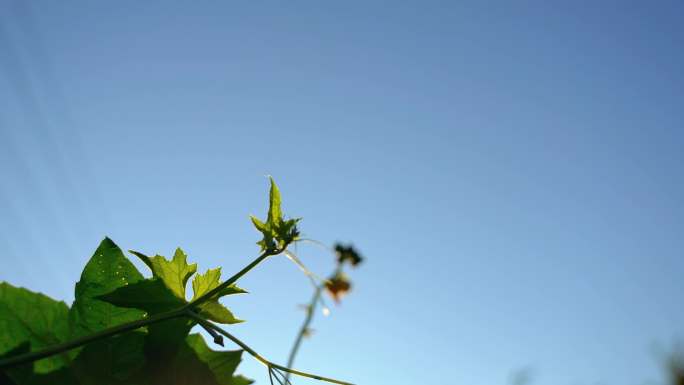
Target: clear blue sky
{"x":513,"y":173}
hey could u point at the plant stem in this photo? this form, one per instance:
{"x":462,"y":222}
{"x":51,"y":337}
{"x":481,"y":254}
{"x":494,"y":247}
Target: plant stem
{"x":310,"y":310}
{"x":261,"y":359}
{"x":63,"y":347}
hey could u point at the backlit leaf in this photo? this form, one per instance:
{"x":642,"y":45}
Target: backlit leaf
{"x":274,"y":213}
{"x":174,"y":273}
{"x":150,"y":295}
{"x":112,"y":361}
{"x":277,"y":232}
{"x":107,"y":270}
{"x":221,"y":363}
{"x":196,"y":364}
{"x":212,"y":309}
{"x":34,"y":319}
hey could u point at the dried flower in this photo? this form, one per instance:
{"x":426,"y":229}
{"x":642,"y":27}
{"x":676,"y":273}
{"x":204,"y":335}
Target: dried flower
{"x":347,"y":254}
{"x":338,"y":286}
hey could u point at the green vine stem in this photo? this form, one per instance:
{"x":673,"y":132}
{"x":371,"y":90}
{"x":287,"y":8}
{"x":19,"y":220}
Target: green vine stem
{"x":269,"y":364}
{"x":310,"y":311}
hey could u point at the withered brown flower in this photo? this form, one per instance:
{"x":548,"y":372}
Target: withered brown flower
{"x":338,"y":286}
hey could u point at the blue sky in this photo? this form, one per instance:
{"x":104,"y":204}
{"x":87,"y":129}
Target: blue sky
{"x":512,"y":172}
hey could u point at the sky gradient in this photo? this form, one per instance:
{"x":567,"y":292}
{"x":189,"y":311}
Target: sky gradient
{"x":512,"y":173}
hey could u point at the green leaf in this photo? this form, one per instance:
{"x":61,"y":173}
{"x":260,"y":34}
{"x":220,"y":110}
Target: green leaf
{"x":212,"y":309}
{"x":239,"y":380}
{"x":232,"y":289}
{"x":107,"y":270}
{"x":276,"y":231}
{"x":218,"y":313}
{"x":274,"y":213}
{"x":287,"y":231}
{"x":261,"y":226}
{"x":221,"y":363}
{"x":150,"y":295}
{"x":267,"y":242}
{"x":20,"y":374}
{"x":196,"y":364}
{"x":111,"y":361}
{"x":25,"y":375}
{"x":35,"y":319}
{"x":164,"y":339}
{"x":154,"y":297}
{"x":174,"y":273}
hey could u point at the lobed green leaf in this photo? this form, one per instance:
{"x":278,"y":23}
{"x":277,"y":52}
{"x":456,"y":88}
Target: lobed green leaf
{"x":35,"y":321}
{"x":276,"y":231}
{"x":221,"y":363}
{"x":150,"y":295}
{"x":107,"y":270}
{"x":174,"y":273}
{"x":212,"y":309}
